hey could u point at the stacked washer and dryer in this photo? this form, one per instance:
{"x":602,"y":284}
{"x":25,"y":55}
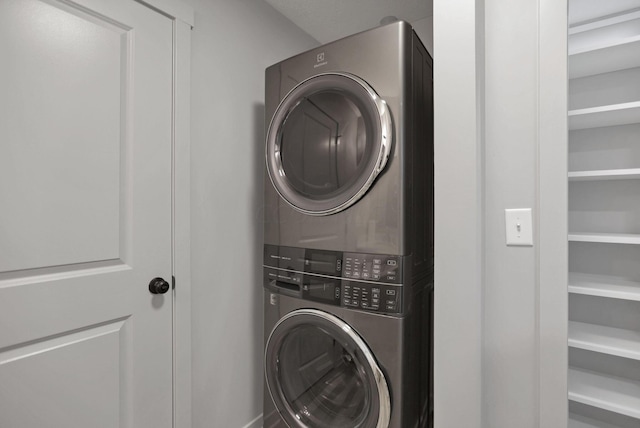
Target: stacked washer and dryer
{"x":348,"y":235}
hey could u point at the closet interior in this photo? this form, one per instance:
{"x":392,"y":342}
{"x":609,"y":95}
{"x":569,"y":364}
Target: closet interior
{"x":604,"y":214}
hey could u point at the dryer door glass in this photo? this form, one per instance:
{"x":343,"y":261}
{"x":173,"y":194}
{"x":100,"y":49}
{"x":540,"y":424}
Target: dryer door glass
{"x":322,"y":375}
{"x":328,"y":140}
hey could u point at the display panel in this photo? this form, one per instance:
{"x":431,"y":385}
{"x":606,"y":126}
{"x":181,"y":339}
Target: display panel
{"x":322,"y":289}
{"x":322,"y":262}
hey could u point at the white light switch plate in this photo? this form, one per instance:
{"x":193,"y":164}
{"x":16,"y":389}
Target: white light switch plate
{"x":519,"y":227}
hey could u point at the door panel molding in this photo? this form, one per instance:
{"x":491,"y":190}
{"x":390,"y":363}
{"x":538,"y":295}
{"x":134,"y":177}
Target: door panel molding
{"x":53,"y":373}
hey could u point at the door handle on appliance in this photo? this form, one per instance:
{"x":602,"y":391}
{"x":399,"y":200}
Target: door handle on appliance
{"x":285,"y":287}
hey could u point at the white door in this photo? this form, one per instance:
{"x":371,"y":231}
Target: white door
{"x":85,"y":214}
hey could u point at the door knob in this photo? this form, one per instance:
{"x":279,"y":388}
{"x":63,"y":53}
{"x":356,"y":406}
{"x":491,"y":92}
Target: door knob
{"x":158,"y":286}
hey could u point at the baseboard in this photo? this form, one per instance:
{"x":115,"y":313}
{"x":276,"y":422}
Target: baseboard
{"x":256,"y":423}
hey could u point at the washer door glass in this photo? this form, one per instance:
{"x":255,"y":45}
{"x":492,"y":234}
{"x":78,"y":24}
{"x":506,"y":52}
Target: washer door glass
{"x":320,"y":374}
{"x":328,"y":140}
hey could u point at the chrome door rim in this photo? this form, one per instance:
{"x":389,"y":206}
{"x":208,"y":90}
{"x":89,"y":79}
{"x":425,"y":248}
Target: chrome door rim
{"x":382,"y":388}
{"x":274,"y":162}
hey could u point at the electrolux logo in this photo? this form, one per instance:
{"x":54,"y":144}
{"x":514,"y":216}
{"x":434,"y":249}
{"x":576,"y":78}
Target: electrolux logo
{"x":320,"y":60}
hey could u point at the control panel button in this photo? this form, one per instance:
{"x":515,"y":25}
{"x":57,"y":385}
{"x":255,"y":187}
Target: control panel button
{"x":372,"y":267}
{"x":370,"y":297}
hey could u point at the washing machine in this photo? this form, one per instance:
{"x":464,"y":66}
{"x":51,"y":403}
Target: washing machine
{"x":343,"y":352}
{"x":348,"y":234}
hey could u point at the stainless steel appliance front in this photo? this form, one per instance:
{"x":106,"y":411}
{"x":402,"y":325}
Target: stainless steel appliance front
{"x":348,"y":234}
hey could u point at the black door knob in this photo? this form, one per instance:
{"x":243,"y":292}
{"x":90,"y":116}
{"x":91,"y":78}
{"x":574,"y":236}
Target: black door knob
{"x":158,"y":286}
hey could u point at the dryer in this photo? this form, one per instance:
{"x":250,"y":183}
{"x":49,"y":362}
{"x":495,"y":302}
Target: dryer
{"x":348,"y":234}
{"x":349,"y":158}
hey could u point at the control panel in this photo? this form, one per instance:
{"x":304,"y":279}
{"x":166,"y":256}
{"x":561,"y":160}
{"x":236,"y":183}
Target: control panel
{"x":372,"y":297}
{"x":371,"y":282}
{"x":373,"y":267}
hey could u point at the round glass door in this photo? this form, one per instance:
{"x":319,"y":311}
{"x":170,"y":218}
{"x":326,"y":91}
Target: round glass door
{"x":321,"y":374}
{"x":328,"y":140}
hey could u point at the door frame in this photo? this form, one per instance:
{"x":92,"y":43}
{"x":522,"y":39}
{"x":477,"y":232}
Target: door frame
{"x":182,"y":16}
{"x":553,"y":209}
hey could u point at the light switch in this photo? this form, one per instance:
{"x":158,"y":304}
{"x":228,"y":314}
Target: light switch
{"x":519,"y":226}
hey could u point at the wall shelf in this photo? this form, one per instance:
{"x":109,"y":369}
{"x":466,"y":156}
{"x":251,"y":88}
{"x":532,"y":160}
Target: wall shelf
{"x":605,"y":174}
{"x":606,"y":238}
{"x":604,"y":286}
{"x":605,"y":22}
{"x":578,"y":421}
{"x":605,"y":392}
{"x":605,"y":340}
{"x":606,"y":58}
{"x":609,"y":115}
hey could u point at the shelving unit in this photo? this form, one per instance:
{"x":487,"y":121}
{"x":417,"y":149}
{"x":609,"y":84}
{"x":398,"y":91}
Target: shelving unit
{"x":604,"y":45}
{"x":575,"y":421}
{"x":606,"y":238}
{"x":606,"y":340}
{"x":605,"y":59}
{"x":608,"y":115}
{"x":605,"y":174}
{"x":604,"y":286}
{"x":604,"y":291}
{"x":605,"y":392}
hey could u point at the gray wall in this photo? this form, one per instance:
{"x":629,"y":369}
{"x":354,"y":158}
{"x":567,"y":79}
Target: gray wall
{"x":424,"y":30}
{"x":232,"y":43}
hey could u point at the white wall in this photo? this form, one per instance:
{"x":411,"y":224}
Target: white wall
{"x":510,"y":287}
{"x":459,"y":171}
{"x":525,"y":291}
{"x":232,"y":43}
{"x":500,"y":311}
